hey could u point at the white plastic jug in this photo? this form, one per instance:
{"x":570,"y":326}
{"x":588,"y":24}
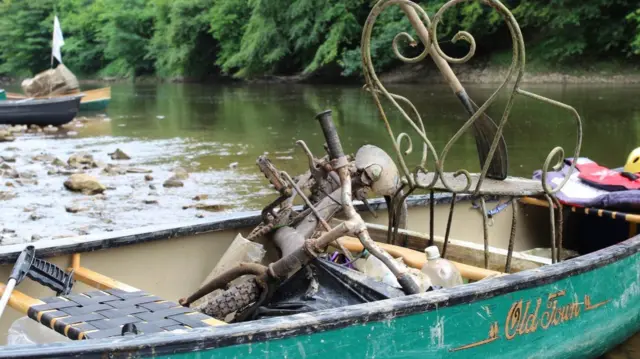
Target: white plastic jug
{"x":441,"y":272}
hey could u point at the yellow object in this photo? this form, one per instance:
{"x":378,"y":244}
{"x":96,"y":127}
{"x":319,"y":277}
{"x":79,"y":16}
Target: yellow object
{"x":633,"y":162}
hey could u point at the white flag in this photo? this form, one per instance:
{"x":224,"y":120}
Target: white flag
{"x":58,"y":40}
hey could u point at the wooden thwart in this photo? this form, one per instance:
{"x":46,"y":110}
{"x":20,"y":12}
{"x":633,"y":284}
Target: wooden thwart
{"x":417,"y":259}
{"x":95,"y":279}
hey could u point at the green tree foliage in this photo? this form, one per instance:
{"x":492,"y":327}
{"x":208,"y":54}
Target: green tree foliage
{"x":563,"y":29}
{"x":126,"y":34}
{"x":182,"y":44}
{"x":25,"y":35}
{"x":248,"y":38}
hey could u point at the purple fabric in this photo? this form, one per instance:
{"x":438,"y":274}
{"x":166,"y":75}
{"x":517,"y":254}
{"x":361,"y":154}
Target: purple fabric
{"x":579,"y":193}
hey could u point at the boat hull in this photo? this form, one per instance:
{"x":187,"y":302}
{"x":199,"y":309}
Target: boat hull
{"x":96,"y":105}
{"x":42,"y":112}
{"x":571,"y":309}
{"x":93,"y":100}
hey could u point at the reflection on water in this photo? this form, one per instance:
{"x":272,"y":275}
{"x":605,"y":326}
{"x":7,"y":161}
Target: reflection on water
{"x":217,"y":132}
{"x":269,"y":118}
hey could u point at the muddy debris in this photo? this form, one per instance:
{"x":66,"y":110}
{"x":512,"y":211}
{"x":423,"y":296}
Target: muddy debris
{"x":5,"y":166}
{"x":36,"y":237}
{"x":84,"y":183}
{"x":9,"y":184}
{"x":199,"y":215}
{"x":81,"y":160}
{"x":172,"y":182}
{"x":119,"y":154}
{"x":201,"y":197}
{"x":148,"y":178}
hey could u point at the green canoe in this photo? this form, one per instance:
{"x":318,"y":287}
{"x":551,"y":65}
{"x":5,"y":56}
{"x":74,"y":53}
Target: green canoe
{"x":578,"y":308}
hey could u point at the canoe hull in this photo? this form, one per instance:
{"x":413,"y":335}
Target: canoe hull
{"x":97,"y":105}
{"x":93,"y":100}
{"x":42,"y":112}
{"x":567,"y":310}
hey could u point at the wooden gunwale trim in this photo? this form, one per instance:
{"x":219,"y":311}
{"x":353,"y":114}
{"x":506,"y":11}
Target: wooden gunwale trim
{"x":308,"y":323}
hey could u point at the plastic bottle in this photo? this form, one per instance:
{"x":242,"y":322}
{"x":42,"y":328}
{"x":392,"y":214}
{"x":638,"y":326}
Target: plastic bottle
{"x":377,"y":270}
{"x":441,"y":272}
{"x":27,"y":331}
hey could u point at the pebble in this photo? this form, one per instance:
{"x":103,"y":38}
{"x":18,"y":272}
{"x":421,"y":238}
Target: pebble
{"x":173,"y":182}
{"x":36,"y":237}
{"x":201,"y":197}
{"x":74,"y":208}
{"x":119,"y":154}
{"x":50,"y":129}
{"x":148,"y":178}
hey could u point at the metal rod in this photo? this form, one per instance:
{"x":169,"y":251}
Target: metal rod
{"x":431,"y":216}
{"x":512,"y":237}
{"x":449,"y":220}
{"x":552,"y":223}
{"x":560,"y":227}
{"x":306,"y":200}
{"x":485,"y":226}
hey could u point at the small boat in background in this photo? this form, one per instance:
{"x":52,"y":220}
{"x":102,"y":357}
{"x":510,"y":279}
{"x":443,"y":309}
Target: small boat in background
{"x":93,"y":100}
{"x":53,"y":111}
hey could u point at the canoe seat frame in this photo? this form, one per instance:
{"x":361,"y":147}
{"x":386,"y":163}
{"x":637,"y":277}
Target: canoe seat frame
{"x":104,"y":312}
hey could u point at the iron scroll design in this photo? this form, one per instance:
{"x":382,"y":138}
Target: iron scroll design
{"x":403,"y":144}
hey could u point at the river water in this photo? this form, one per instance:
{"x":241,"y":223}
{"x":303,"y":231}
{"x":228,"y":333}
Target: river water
{"x":216,"y":132}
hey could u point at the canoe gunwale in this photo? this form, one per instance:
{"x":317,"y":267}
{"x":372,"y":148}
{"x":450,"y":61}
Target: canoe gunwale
{"x":325,"y":320}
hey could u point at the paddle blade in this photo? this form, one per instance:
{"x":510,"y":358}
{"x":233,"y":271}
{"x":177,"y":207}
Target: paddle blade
{"x":484,"y":131}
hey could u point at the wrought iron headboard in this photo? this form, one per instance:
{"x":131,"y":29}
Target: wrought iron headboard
{"x":420,"y":177}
